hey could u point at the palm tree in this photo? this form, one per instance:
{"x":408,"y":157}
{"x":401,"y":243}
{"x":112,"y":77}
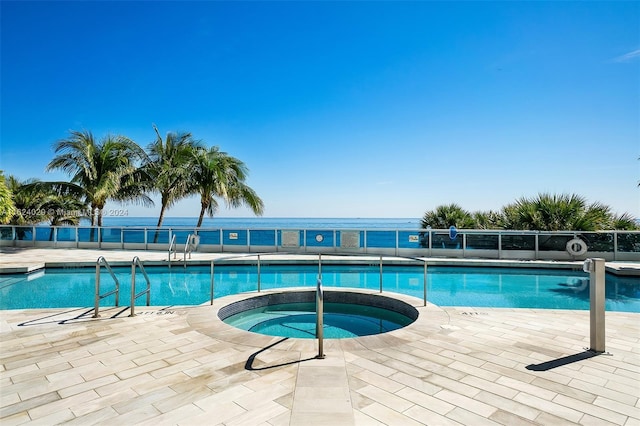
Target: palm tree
{"x":624,"y":221}
{"x":101,"y":171}
{"x":170,"y":166}
{"x":552,"y":212}
{"x":446,"y":216}
{"x":218,"y":174}
{"x":38,"y":202}
{"x":7,"y":206}
{"x":29,"y":201}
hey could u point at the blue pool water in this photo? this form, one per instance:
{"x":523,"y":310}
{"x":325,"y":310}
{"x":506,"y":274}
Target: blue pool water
{"x":446,"y":286}
{"x":299,"y":320}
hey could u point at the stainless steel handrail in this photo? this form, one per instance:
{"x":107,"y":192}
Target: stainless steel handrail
{"x":319,"y":318}
{"x":136,"y":262}
{"x":172,"y":248}
{"x":189,"y":245}
{"x":102,"y":261}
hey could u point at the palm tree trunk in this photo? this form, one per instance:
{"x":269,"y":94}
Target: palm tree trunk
{"x":93,"y":223}
{"x":203,"y":208}
{"x":162,"y":209}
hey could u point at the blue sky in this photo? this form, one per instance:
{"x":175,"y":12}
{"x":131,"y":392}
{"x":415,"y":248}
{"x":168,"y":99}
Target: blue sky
{"x":341,"y":109}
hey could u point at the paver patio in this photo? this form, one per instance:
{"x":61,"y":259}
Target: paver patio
{"x":182,"y":365}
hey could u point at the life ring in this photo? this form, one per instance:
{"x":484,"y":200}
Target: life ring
{"x":576,"y":247}
{"x":194,"y":240}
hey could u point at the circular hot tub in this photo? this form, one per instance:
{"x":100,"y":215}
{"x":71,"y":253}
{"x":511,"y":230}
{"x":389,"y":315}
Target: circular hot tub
{"x":293,"y":314}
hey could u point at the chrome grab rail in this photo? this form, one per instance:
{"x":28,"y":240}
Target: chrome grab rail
{"x":320,"y":313}
{"x":136,"y":262}
{"x":102,"y":261}
{"x":172,"y":248}
{"x":189,"y":246}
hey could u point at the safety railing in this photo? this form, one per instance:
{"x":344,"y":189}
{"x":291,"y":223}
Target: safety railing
{"x":136,"y":263}
{"x":99,"y":263}
{"x":320,"y":311}
{"x":189,"y":246}
{"x":172,"y":248}
{"x":466,"y":243}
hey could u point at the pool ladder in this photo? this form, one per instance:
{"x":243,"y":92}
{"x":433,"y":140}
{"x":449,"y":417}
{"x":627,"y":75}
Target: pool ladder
{"x":189,"y":245}
{"x":134,"y":263}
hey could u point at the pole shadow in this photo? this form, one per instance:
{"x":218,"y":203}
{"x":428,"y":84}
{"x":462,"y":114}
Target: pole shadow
{"x":554,"y":363}
{"x":249,"y":364}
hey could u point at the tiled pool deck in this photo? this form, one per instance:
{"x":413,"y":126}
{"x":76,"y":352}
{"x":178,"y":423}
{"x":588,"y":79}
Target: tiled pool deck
{"x":180,"y":365}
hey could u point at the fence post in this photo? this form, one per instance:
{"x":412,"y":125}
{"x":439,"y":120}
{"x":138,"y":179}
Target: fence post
{"x":596,"y":270}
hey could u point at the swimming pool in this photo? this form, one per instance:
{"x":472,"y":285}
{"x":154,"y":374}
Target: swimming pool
{"x":446,"y":286}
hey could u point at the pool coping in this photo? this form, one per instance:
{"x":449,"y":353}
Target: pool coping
{"x":155,"y":258}
{"x":431,"y":319}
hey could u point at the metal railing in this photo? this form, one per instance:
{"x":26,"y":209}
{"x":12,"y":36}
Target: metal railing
{"x":320,"y":314}
{"x":136,"y":262}
{"x":172,"y":248}
{"x":189,"y":246}
{"x":103,"y":262}
{"x":467,"y":243}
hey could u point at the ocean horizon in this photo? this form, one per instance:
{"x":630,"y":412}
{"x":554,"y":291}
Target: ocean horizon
{"x":265,"y":222}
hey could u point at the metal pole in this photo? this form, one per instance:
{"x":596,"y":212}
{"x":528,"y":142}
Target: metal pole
{"x":596,"y":270}
{"x":319,"y":318}
{"x":320,"y":265}
{"x":133,"y":289}
{"x":380,"y":273}
{"x":97,"y":297}
{"x":425,"y":283}
{"x":258,"y":273}
{"x":212,"y":282}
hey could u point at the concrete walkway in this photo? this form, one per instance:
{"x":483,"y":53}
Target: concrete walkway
{"x":182,"y":365}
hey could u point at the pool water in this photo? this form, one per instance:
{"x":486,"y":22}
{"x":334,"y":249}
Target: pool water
{"x":446,"y":286}
{"x":298,"y":320}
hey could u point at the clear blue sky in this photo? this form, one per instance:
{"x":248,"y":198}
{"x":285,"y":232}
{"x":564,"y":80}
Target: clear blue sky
{"x":341,"y":109}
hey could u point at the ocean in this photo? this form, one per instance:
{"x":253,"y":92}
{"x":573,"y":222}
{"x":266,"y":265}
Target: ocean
{"x":267,"y":222}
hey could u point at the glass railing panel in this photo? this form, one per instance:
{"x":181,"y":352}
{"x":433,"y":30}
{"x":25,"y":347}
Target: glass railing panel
{"x":6,"y":233}
{"x":547,"y":242}
{"x":603,"y":242}
{"x":158,"y":236}
{"x":424,"y":239}
{"x":88,"y":235}
{"x":66,"y":234}
{"x":133,"y":236}
{"x":290,"y":238}
{"x":24,"y":233}
{"x":381,"y":239}
{"x":44,"y":233}
{"x":442,"y":240}
{"x":111,"y":235}
{"x":350,"y":239}
{"x":409,"y":239}
{"x":482,"y":242}
{"x":234,"y":237}
{"x":518,"y":242}
{"x":319,"y":238}
{"x":210,"y":237}
{"x":262,"y":237}
{"x":629,"y":242}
